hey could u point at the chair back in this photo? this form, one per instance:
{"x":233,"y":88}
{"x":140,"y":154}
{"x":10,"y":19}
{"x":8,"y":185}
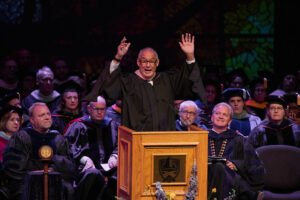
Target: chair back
{"x":282,"y":164}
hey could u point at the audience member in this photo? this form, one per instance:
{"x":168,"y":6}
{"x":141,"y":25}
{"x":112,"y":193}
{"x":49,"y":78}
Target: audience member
{"x":27,"y":60}
{"x":22,"y":156}
{"x":236,"y":79}
{"x":12,"y":99}
{"x":10,"y":122}
{"x":9,"y":76}
{"x":27,"y":84}
{"x":293,"y":106}
{"x":93,"y":141}
{"x":242,"y":121}
{"x":234,"y":169}
{"x":288,"y":84}
{"x":276,"y":129}
{"x":45,"y":92}
{"x":212,"y":93}
{"x":147,"y":95}
{"x":188,"y":113}
{"x":63,"y":73}
{"x":69,"y":108}
{"x":257,"y":104}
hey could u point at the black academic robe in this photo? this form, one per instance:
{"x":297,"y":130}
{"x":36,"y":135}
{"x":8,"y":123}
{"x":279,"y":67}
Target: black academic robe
{"x":241,"y":184}
{"x":85,"y":135}
{"x":268,"y":133}
{"x":149,"y":106}
{"x":21,"y":157}
{"x":98,"y":141}
{"x":62,"y":118}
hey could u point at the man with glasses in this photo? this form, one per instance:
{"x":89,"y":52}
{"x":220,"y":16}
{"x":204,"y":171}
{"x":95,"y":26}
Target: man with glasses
{"x":147,"y":95}
{"x":188,"y":113}
{"x":277,"y":128}
{"x":93,"y":142}
{"x":45,"y":92}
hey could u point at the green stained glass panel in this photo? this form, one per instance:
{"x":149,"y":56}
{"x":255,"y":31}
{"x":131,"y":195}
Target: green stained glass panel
{"x":249,"y":17}
{"x":250,"y":54}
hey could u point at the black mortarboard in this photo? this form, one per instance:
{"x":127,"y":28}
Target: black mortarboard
{"x":292,"y":98}
{"x":70,"y":85}
{"x":235,"y":92}
{"x":13,"y":95}
{"x":274,"y":99}
{"x":10,"y":109}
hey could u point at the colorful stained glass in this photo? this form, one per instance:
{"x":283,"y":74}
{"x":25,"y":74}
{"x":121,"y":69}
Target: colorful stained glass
{"x":250,"y":54}
{"x":250,"y":17}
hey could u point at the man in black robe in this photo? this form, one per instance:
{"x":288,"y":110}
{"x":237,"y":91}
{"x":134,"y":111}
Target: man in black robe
{"x":235,"y":171}
{"x":22,"y":154}
{"x":147,"y":95}
{"x":93,"y":141}
{"x":277,"y":128}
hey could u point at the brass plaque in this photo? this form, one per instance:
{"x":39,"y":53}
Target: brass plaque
{"x":169,"y":168}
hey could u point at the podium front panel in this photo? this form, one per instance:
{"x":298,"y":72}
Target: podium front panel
{"x":167,"y":157}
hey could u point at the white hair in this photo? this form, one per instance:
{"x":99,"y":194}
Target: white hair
{"x":189,"y":103}
{"x":44,"y":71}
{"x":223,"y":104}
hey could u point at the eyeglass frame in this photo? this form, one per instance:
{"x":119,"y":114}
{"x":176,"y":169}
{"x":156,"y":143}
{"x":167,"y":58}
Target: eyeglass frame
{"x":145,"y":62}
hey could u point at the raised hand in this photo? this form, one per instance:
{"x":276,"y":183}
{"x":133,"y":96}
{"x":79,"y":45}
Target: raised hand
{"x":187,"y":45}
{"x":122,"y":48}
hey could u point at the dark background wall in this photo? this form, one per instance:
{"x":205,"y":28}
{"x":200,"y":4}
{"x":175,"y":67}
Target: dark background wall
{"x":91,"y":28}
{"x":287,"y":37}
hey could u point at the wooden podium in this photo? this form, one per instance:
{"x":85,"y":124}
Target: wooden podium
{"x":167,"y":157}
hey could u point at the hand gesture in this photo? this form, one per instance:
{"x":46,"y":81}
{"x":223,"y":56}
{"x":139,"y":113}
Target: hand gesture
{"x":187,"y":45}
{"x":122,"y":48}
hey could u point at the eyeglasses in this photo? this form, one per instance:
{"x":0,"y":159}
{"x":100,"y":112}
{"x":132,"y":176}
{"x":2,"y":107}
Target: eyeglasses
{"x":188,"y":113}
{"x":97,"y":109}
{"x":276,"y":108}
{"x":145,"y":62}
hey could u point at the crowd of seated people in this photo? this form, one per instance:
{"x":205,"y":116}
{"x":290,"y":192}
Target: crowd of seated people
{"x":259,"y":117}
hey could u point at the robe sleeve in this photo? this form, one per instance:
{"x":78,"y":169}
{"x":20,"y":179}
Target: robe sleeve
{"x":76,"y":135}
{"x":16,"y":156}
{"x":256,"y":137}
{"x":63,"y":160}
{"x":187,"y":82}
{"x":249,"y":165}
{"x":114,"y":132}
{"x":100,"y":83}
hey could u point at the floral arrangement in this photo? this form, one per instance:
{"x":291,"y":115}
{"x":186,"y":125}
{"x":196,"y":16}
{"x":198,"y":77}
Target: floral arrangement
{"x":190,"y":195}
{"x":192,"y":190}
